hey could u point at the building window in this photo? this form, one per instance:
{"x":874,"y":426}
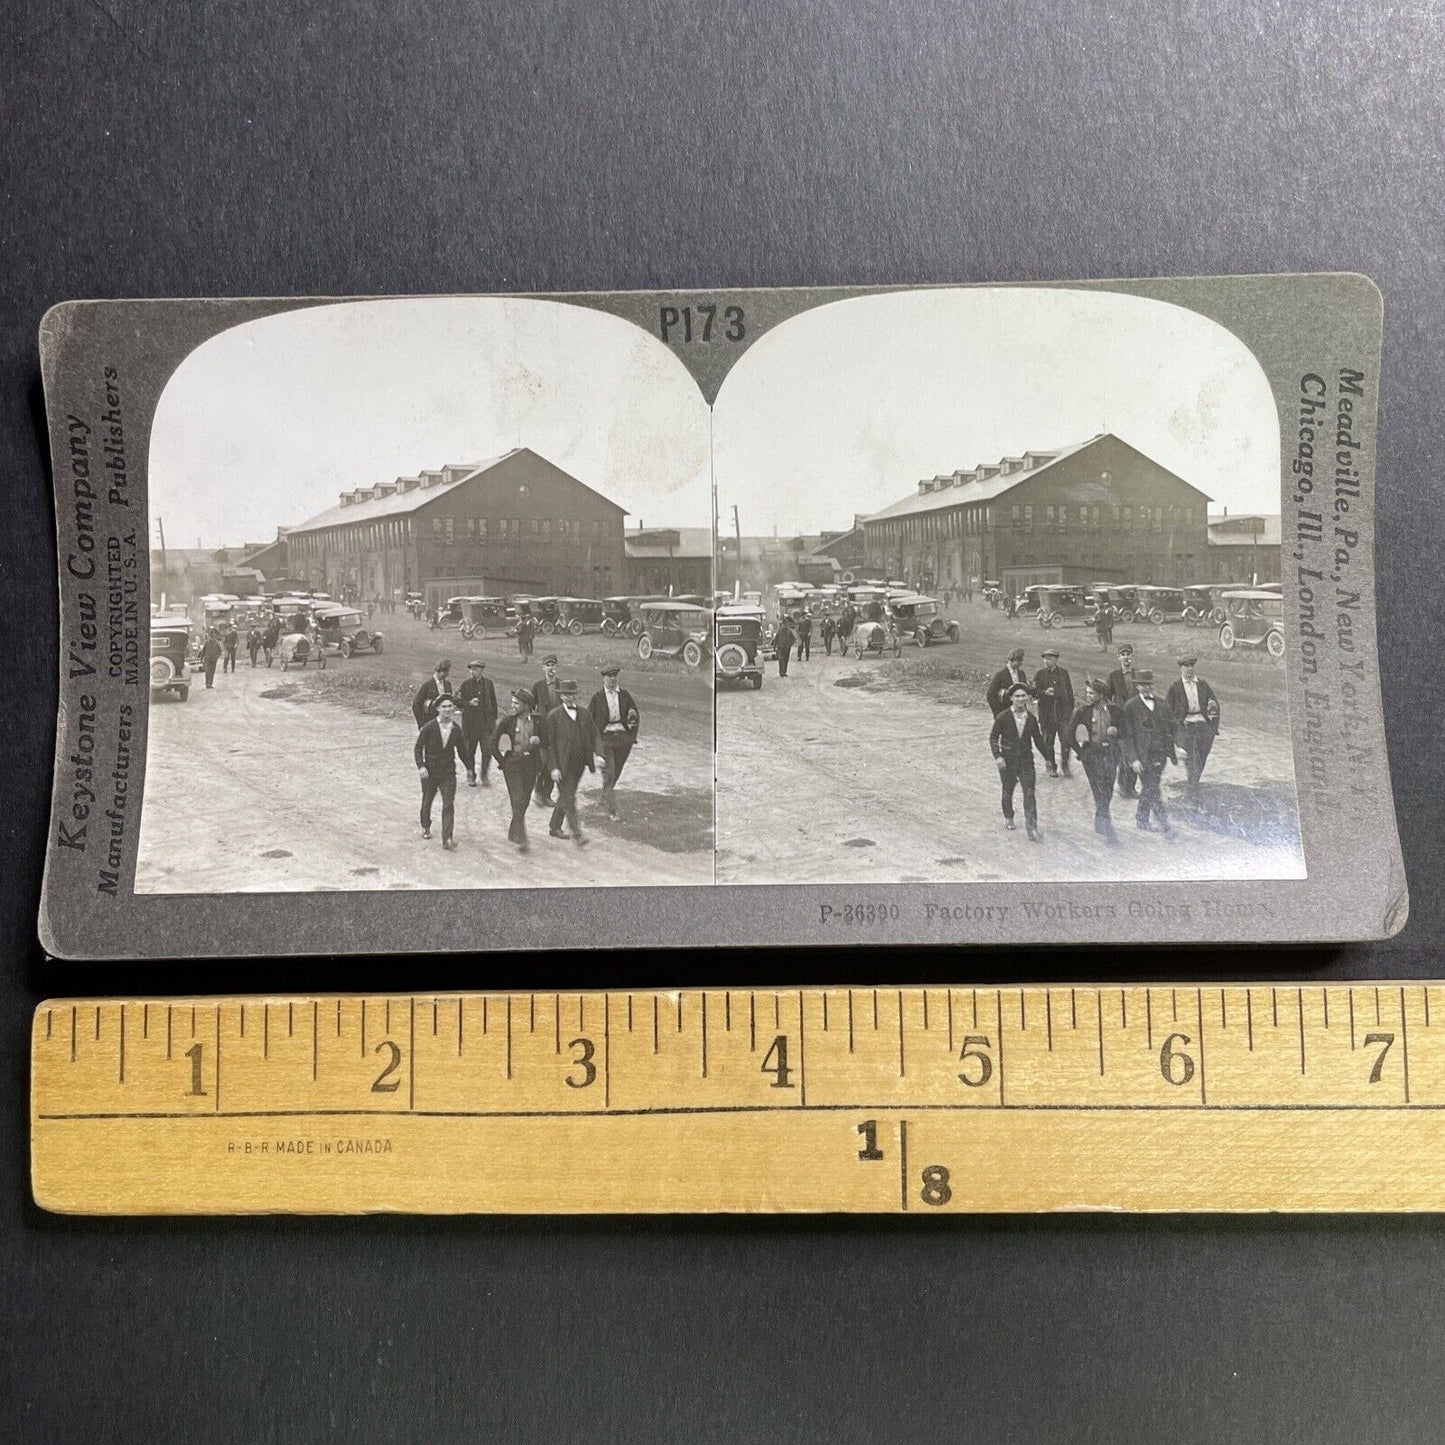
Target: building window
{"x":1028,"y":517}
{"x":482,"y":528}
{"x":1095,"y":519}
{"x":1128,"y":515}
{"x":436,"y":529}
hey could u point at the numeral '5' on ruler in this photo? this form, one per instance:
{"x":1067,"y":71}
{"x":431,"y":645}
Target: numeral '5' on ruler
{"x":867,"y":1100}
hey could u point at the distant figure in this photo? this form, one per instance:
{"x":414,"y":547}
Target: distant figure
{"x":1104,"y":618}
{"x":829,"y":630}
{"x":210,"y":656}
{"x":783,"y":642}
{"x":805,"y":637}
{"x":253,"y":642}
{"x":230,"y":640}
{"x":435,"y":753}
{"x":478,"y":700}
{"x":270,"y":637}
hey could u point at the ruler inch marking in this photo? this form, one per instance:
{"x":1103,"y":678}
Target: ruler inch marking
{"x":704,"y":1033}
{"x":1099,"y":1015}
{"x":1404,"y":1040}
{"x":509,"y":1036}
{"x":802,"y":1056}
{"x":122,"y":1044}
{"x":903,"y":1162}
{"x":902,"y":1066}
{"x":606,"y":1046}
{"x":1199,"y":1007}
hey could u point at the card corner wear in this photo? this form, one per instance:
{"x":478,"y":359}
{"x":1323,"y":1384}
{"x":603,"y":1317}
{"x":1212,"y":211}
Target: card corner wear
{"x":398,"y":616}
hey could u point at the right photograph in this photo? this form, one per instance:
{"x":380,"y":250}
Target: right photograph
{"x":999,"y":597}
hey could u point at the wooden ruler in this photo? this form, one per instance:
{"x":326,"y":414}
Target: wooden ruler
{"x":920,"y":1101}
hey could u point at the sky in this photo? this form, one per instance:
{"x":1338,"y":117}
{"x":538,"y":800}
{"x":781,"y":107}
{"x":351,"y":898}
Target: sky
{"x":266,"y":423}
{"x":844,"y":409}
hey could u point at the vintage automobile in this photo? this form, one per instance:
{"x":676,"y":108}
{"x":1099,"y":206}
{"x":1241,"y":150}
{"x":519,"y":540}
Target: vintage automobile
{"x":296,"y":649}
{"x":343,"y":630}
{"x":578,"y":615}
{"x":478,"y":616}
{"x":1058,"y":606}
{"x":620,"y":617}
{"x":869,"y":600}
{"x":879,"y":637}
{"x":1256,"y":619}
{"x":918,"y":617}
{"x":1205,"y":604}
{"x":1124,"y":600}
{"x":1027,"y":603}
{"x":675,"y":629}
{"x":1159,"y":604}
{"x":740,"y":645}
{"x":170,"y":642}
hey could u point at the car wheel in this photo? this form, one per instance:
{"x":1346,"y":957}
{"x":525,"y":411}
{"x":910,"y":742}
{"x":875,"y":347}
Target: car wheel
{"x":644,"y":647}
{"x":1191,"y":617}
{"x":376,"y":643}
{"x":576,"y":628}
{"x":635,"y":628}
{"x":1157,"y":617}
{"x":1275,"y":643}
{"x":348,"y":651}
{"x":1217,"y":616}
{"x":1127,"y":615}
{"x":285,"y":664}
{"x":757,"y":682}
{"x":183,"y":692}
{"x":1226,"y":637}
{"x":953,"y":632}
{"x":1046,"y":619}
{"x":920,"y":637}
{"x":162,"y":671}
{"x":692,"y":653}
{"x":608,"y":627}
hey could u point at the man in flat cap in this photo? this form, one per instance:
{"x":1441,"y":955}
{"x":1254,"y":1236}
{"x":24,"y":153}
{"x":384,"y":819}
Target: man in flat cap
{"x":1095,"y":731}
{"x":435,"y":753}
{"x":1004,"y":679}
{"x":1149,"y":743}
{"x":1121,"y":689}
{"x":545,"y":692}
{"x":478,"y":699}
{"x":1014,"y":736}
{"x":1196,"y":709}
{"x":437,"y":686}
{"x":516,"y":745}
{"x":1055,"y":691}
{"x":573,"y":747}
{"x":616,"y":717}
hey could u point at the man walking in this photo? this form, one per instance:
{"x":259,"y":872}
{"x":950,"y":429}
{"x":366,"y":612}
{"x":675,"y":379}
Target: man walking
{"x":526,"y":631}
{"x":1149,"y":734}
{"x":829,"y":630}
{"x":231,"y":640}
{"x":1196,"y":709}
{"x":1104,"y":619}
{"x":805,"y":637}
{"x":253,"y":642}
{"x":478,"y":699}
{"x":572,"y":748}
{"x":270,"y":637}
{"x":210,"y":656}
{"x":1004,"y":680}
{"x":1055,"y":691}
{"x":1122,"y":688}
{"x":544,"y":690}
{"x":615,"y":715}
{"x":436,"y":687}
{"x":783,"y":643}
{"x":435,"y":752}
{"x":1012,"y":741}
{"x":1094,"y":732}
{"x":516,"y":747}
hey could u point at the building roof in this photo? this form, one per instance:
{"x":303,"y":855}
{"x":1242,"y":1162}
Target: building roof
{"x":654,"y":542}
{"x":985,"y":482}
{"x":425,"y":489}
{"x":1245,"y":529}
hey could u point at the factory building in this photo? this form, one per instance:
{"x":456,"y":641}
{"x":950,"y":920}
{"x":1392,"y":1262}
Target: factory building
{"x":1098,"y":511}
{"x":516,"y":524}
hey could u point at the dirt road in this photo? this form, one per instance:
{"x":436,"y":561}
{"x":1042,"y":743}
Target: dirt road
{"x":279,"y":782}
{"x":880,"y":771}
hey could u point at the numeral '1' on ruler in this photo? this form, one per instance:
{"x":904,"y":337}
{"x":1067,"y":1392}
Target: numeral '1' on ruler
{"x":924,"y":1101}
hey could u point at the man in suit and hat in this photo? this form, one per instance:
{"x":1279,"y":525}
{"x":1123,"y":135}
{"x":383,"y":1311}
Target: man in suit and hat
{"x":1054,"y":689}
{"x":545,"y":692}
{"x":1094,"y":734}
{"x":573,"y":747}
{"x":1012,"y":741}
{"x":1149,"y":732}
{"x":436,"y":687}
{"x":210,"y":656}
{"x":1196,"y":709}
{"x":783,"y":640}
{"x":478,"y":700}
{"x":1004,"y":679}
{"x":616,"y":717}
{"x":1121,"y":689}
{"x":516,"y":745}
{"x":435,"y":752}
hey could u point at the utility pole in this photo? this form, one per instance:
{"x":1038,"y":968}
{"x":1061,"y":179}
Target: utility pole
{"x":738,"y":538}
{"x":161,"y":528}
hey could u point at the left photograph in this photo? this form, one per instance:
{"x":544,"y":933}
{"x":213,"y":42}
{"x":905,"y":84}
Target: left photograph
{"x":430,"y":584}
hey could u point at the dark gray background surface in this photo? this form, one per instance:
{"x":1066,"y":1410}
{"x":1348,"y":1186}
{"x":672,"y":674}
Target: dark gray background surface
{"x":161,"y":149}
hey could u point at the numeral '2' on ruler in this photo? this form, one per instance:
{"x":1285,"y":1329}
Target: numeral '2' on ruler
{"x":923,"y":1101}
